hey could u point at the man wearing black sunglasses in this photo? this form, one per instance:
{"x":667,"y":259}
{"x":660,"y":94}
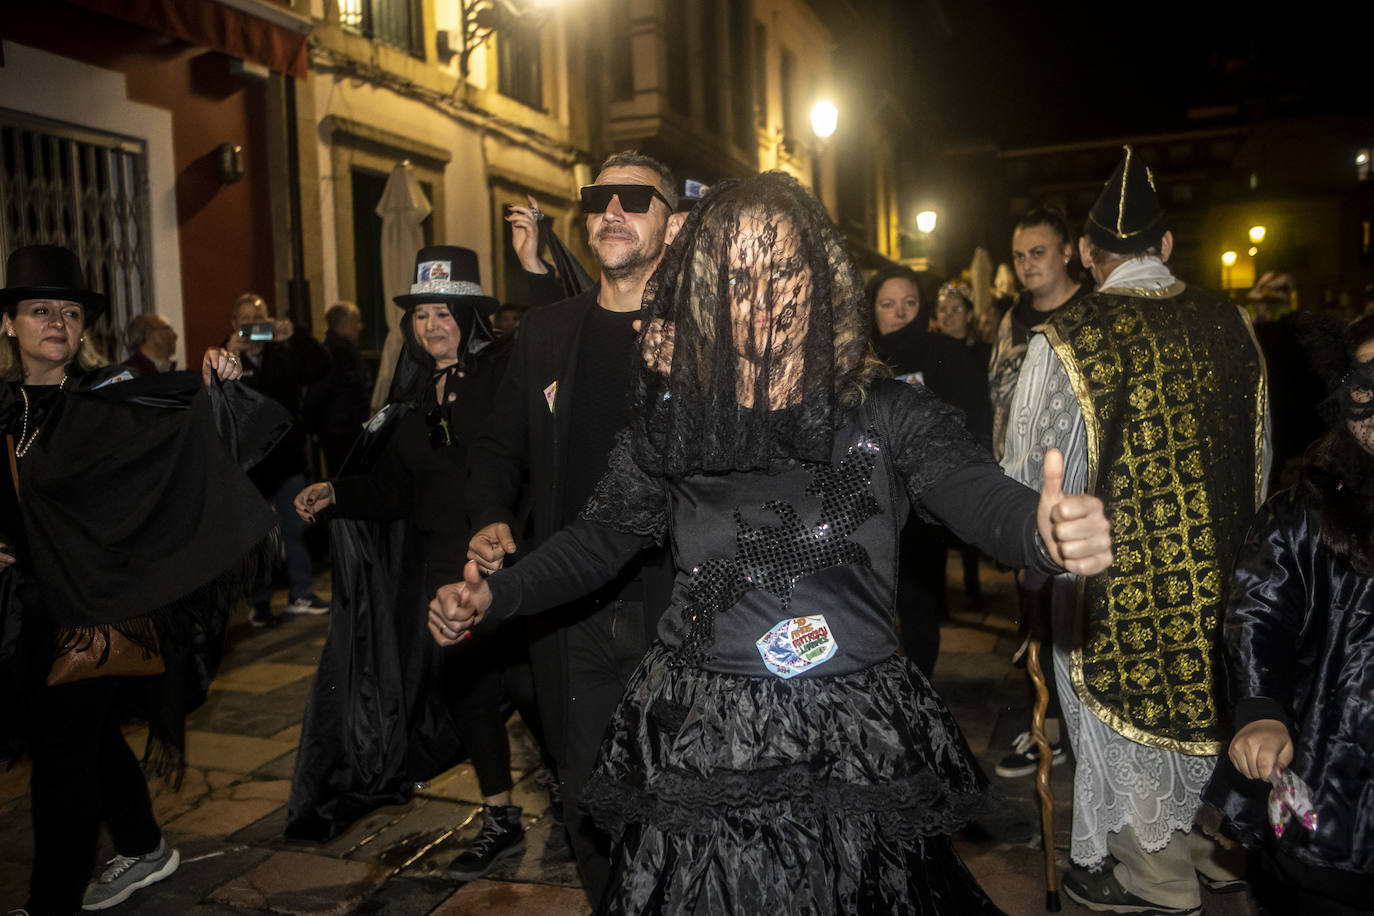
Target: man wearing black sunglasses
{"x":562,"y":402}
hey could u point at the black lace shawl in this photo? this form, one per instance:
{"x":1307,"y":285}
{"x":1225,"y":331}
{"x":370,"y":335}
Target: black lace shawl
{"x":756,"y":335}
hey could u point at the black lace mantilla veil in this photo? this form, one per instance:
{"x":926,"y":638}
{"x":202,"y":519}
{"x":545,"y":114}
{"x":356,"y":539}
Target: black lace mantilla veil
{"x":758,"y":316}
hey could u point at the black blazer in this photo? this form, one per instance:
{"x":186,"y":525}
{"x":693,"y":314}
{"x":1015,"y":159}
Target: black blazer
{"x":528,"y":429}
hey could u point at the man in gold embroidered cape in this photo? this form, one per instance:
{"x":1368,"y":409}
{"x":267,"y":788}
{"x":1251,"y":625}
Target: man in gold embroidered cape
{"x":1155,"y":392}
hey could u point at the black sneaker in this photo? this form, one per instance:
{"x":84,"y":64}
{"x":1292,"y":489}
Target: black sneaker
{"x":262,"y":615}
{"x":1102,"y":893}
{"x":502,"y":837}
{"x":1025,"y":757}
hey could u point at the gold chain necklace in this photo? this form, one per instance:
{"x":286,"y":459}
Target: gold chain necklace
{"x":21,"y":448}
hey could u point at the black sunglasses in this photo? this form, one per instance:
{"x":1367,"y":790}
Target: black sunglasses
{"x":439,"y":435}
{"x":634,"y":198}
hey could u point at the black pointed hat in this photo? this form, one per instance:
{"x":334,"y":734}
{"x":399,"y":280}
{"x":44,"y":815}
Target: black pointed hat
{"x":447,"y":273}
{"x":1127,"y":218}
{"x":50,"y":272}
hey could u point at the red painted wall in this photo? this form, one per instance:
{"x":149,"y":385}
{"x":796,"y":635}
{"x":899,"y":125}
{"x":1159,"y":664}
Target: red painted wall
{"x":225,"y":233}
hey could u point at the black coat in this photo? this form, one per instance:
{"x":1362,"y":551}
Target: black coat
{"x":380,"y":711}
{"x":953,"y":371}
{"x":529,"y":430}
{"x":282,"y":374}
{"x":1299,"y":642}
{"x":337,"y":406}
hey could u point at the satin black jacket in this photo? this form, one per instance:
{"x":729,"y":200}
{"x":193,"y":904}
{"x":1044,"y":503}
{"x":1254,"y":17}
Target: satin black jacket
{"x":1299,"y":640}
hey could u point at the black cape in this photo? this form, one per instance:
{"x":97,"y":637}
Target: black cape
{"x":135,"y":514}
{"x":374,"y":725}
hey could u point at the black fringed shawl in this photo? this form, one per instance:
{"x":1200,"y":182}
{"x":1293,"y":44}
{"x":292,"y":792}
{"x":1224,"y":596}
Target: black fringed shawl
{"x":136,"y":515}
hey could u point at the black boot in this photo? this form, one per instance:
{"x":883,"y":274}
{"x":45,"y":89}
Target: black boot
{"x":502,"y":837}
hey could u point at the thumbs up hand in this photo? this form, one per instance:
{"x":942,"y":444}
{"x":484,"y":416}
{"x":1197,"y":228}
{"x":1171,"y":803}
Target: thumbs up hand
{"x":458,"y":606}
{"x":1073,"y":526}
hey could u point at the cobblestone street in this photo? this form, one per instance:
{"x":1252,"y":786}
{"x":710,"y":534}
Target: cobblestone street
{"x":227,"y":817}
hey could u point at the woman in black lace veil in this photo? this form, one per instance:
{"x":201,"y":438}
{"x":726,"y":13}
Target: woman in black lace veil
{"x":774,"y":752}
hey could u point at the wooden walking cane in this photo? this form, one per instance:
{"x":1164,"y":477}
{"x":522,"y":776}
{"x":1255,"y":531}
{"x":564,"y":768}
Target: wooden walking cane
{"x":1042,"y":773}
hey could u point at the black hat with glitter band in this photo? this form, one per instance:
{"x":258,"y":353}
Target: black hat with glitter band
{"x":1127,"y":218}
{"x":448,"y":273}
{"x":50,"y":272}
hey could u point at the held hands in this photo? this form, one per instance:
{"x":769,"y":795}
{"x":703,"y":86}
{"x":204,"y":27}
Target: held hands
{"x":524,"y":235}
{"x":6,"y":558}
{"x":225,"y":362}
{"x":313,"y":499}
{"x":1261,"y":748}
{"x":1073,"y":526}
{"x":488,"y":547}
{"x":458,"y":606}
{"x":282,"y":330}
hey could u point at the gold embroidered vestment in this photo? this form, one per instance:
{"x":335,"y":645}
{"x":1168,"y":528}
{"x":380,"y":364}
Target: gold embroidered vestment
{"x":1171,"y":387}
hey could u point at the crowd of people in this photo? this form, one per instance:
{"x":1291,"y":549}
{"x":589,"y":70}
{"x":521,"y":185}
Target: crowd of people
{"x":693,"y":522}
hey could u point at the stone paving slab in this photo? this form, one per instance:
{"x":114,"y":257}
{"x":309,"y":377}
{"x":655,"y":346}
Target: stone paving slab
{"x":256,"y":715}
{"x":206,"y":863}
{"x":406,"y":896}
{"x":548,"y":858}
{"x":423,"y":828}
{"x":481,"y":898}
{"x":221,"y":817}
{"x":283,"y":767}
{"x":235,"y":753}
{"x":458,"y":784}
{"x":262,"y":677}
{"x":300,"y":884}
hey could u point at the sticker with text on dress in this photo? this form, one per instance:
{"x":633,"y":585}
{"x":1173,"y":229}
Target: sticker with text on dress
{"x":796,"y":644}
{"x":550,"y":392}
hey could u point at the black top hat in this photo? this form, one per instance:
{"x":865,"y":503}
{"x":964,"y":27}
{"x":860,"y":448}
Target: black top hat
{"x":50,"y":272}
{"x":1127,"y":218}
{"x":447,"y":273}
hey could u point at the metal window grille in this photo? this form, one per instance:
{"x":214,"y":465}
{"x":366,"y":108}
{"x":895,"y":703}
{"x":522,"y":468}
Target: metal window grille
{"x":392,"y":22}
{"x":87,"y":191}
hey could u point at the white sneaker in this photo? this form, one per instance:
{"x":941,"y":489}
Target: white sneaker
{"x":308,"y":604}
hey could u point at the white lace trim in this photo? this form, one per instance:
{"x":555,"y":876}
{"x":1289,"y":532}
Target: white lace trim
{"x":1119,"y":782}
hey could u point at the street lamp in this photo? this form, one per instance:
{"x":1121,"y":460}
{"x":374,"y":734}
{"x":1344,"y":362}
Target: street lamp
{"x":925,"y":221}
{"x":1228,"y":258}
{"x":1256,"y":234}
{"x":824,"y":117}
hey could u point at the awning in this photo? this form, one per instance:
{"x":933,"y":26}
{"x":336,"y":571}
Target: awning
{"x":262,"y":31}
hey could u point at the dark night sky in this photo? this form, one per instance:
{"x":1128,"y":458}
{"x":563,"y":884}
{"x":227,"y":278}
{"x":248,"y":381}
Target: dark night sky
{"x":1020,"y":73}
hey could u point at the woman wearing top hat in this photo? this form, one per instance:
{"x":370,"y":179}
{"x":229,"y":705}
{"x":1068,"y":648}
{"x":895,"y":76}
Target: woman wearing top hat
{"x":369,"y":737}
{"x":106,"y":540}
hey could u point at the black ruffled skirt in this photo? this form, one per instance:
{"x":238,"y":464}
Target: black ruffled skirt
{"x":747,"y":795}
